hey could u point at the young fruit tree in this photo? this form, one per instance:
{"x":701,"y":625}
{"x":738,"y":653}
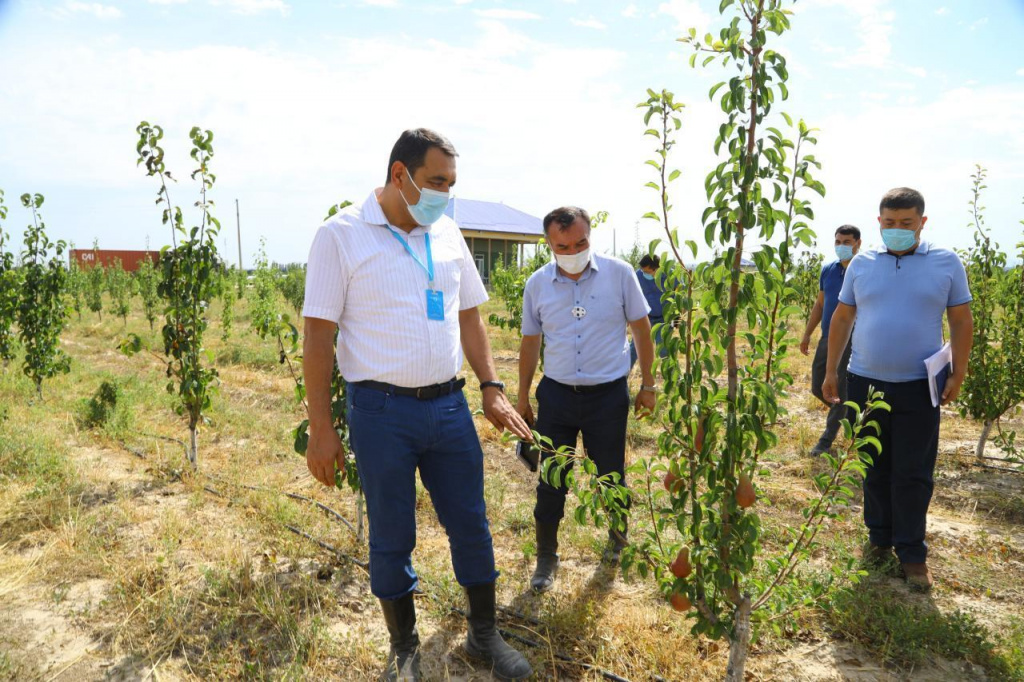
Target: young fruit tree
{"x":293,"y":287}
{"x":42,"y":313}
{"x":263,"y":309}
{"x":995,"y":384}
{"x":190,"y":268}
{"x":121,"y":289}
{"x":75,"y":288}
{"x":805,"y":281}
{"x":725,"y":339}
{"x":227,"y":298}
{"x":507,"y":285}
{"x":349,"y":476}
{"x":147,"y":280}
{"x":8,"y":292}
{"x":95,"y":283}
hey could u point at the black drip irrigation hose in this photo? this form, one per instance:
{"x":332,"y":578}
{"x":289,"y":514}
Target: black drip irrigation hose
{"x":328,"y":511}
{"x":1003,"y":469}
{"x":365,"y":565}
{"x":295,"y":496}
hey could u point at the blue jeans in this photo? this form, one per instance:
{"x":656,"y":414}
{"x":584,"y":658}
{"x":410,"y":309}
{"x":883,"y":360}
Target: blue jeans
{"x":899,"y":483}
{"x":391,"y":437}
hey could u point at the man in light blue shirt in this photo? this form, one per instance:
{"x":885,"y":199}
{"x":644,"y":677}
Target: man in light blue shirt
{"x":581,"y":303}
{"x":898,"y":295}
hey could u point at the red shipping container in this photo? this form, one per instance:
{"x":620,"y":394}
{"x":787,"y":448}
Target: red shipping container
{"x":130,"y":260}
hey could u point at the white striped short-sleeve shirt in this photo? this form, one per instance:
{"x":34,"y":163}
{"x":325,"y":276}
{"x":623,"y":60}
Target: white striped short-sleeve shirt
{"x":362,"y":278}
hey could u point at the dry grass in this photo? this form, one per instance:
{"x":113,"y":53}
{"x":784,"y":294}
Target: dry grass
{"x":196,"y":576}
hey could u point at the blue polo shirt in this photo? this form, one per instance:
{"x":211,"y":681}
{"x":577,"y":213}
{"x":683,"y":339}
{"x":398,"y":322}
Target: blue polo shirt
{"x":652,"y":294}
{"x":830,"y":282}
{"x":900,"y":301}
{"x":584,"y":321}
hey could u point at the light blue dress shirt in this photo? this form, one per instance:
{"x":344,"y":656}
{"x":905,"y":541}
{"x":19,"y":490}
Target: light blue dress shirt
{"x":584,"y":322}
{"x":900,"y":301}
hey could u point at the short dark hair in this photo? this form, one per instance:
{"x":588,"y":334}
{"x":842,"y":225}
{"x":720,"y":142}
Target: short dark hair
{"x":650,"y":262}
{"x":902,"y":197}
{"x":565,"y":216}
{"x":412,"y":147}
{"x":851,"y":230}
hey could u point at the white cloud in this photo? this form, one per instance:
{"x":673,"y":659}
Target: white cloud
{"x":589,"y":22}
{"x":686,"y":13}
{"x":254,"y":6}
{"x":297,"y":132}
{"x":942,"y":11}
{"x":167,"y":2}
{"x":1020,"y":72}
{"x":974,"y":125}
{"x":380,"y":3}
{"x":979,"y":23}
{"x":96,"y":9}
{"x":918,"y":71}
{"x":463,"y":2}
{"x":630,"y":11}
{"x":498,"y":13}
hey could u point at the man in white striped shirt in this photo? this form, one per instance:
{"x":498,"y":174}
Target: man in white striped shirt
{"x":395,"y":279}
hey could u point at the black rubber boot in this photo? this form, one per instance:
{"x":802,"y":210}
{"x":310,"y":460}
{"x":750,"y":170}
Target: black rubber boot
{"x":483,"y":642}
{"x":404,"y":657}
{"x":547,"y":557}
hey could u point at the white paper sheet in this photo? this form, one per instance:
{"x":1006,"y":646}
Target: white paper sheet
{"x":938,"y":366}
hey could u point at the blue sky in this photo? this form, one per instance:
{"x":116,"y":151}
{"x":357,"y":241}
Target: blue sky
{"x":306,"y":99}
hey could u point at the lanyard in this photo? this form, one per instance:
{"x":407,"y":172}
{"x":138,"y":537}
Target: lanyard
{"x":429,"y":266}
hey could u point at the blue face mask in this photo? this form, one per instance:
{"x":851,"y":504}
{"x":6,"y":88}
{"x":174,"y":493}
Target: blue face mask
{"x":648,"y":276}
{"x":429,"y":209}
{"x":844,"y":251}
{"x":898,"y":239}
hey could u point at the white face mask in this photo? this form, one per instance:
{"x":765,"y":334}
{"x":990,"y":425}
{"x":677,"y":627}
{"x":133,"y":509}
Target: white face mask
{"x":575,"y":263}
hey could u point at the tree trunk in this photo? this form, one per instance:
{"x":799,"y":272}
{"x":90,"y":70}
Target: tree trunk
{"x":739,"y":642}
{"x":979,"y":451}
{"x":193,"y":450}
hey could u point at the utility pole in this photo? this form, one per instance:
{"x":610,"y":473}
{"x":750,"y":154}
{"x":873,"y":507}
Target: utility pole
{"x":238,"y":226}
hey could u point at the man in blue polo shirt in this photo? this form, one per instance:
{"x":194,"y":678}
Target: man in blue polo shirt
{"x":582,"y":304}
{"x":898,"y":295}
{"x":847,"y":244}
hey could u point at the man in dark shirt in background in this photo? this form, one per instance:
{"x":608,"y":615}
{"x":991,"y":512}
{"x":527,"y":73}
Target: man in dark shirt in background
{"x":829,"y":284}
{"x":651,"y":286}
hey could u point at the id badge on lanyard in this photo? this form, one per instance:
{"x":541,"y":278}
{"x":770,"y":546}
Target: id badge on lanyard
{"x":435,"y":298}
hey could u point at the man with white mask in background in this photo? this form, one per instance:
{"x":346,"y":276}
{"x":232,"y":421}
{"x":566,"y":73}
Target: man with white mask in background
{"x":581,"y":303}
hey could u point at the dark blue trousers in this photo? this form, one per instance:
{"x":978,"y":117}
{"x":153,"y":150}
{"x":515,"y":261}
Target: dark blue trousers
{"x":392,"y":436}
{"x":898,"y":486}
{"x":562,"y":414}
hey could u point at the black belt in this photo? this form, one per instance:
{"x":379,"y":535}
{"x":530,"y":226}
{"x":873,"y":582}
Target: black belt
{"x":594,"y":388}
{"x":421,"y":393}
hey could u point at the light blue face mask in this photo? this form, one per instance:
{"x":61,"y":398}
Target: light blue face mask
{"x":844,"y":251}
{"x":898,"y":239}
{"x":648,"y":276}
{"x":429,"y":209}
